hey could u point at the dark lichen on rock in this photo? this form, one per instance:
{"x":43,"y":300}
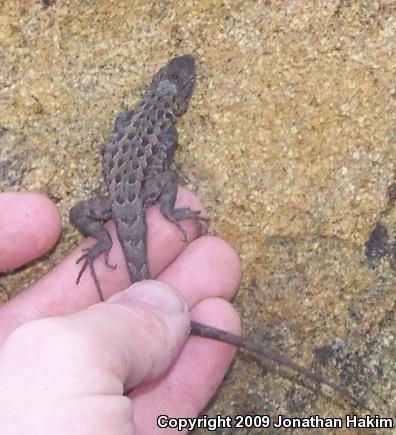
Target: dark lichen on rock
{"x":377,"y":245}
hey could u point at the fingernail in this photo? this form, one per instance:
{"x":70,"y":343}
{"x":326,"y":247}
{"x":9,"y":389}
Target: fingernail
{"x":155,"y":293}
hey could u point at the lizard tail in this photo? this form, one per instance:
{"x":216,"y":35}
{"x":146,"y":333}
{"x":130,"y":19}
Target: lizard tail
{"x":130,"y":219}
{"x":207,"y":331}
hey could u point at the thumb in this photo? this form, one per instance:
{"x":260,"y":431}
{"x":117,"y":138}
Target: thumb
{"x":157,"y":324}
{"x":142,"y":328}
{"x":131,"y":338}
{"x":99,"y":352}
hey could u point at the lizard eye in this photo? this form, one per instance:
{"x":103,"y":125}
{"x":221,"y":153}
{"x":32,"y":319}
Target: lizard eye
{"x":175,"y":77}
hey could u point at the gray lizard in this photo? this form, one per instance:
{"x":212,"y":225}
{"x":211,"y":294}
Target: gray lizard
{"x":136,"y":170}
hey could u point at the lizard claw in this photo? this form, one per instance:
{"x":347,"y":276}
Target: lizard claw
{"x":111,"y":266}
{"x":185,"y":213}
{"x":89,"y":257}
{"x":82,"y":270}
{"x":85,"y":264}
{"x":183,"y":231}
{"x":194,"y":215}
{"x":201,"y":218}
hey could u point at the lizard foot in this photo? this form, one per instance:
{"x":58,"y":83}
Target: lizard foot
{"x":187,"y":213}
{"x":89,"y":257}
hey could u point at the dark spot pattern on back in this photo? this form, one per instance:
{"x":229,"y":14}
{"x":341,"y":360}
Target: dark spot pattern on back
{"x":125,"y":147}
{"x":132,"y":215}
{"x":111,"y":164}
{"x":124,"y":219}
{"x":154,"y":148}
{"x":131,"y":196}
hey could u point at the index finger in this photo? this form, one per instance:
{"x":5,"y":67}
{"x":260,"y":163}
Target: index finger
{"x":30,"y":225}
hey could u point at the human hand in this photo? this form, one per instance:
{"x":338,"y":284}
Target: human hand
{"x":69,"y":374}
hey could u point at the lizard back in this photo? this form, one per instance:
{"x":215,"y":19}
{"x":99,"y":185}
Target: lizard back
{"x":139,"y":152}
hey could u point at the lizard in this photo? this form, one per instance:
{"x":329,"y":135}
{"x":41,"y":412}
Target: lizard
{"x":136,"y":170}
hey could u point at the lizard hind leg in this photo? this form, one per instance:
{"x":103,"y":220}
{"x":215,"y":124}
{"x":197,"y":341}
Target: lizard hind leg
{"x":88,"y":216}
{"x":163,"y":189}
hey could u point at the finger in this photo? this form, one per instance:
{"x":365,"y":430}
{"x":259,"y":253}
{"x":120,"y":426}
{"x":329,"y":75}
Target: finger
{"x":57,"y":293}
{"x":187,"y":387}
{"x":111,"y":346}
{"x":30,"y":225}
{"x":208,"y":267}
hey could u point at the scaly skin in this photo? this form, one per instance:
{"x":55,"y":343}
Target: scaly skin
{"x":136,"y":171}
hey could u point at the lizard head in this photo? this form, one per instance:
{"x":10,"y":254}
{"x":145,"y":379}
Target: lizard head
{"x":175,"y":82}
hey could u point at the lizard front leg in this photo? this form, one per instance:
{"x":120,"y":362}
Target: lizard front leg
{"x":88,"y":216}
{"x":163,"y":188}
